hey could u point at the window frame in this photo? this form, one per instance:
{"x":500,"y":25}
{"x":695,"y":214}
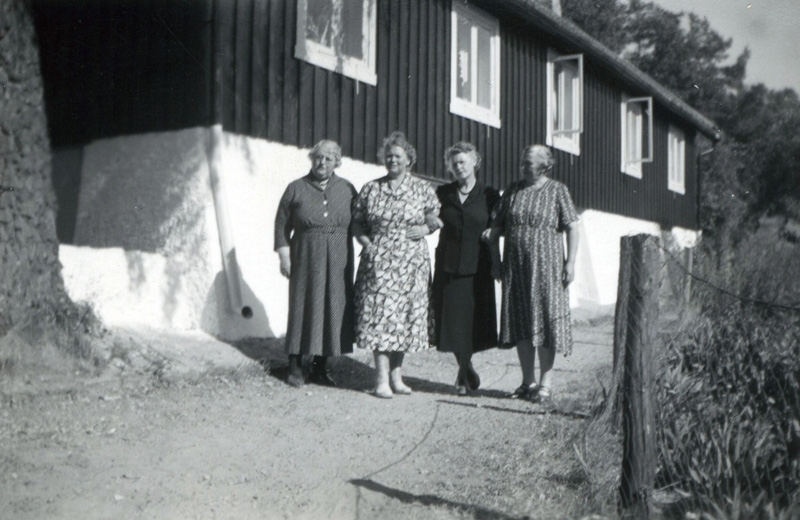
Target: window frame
{"x":676,"y":160}
{"x":470,"y":108}
{"x":568,"y":140}
{"x":634,"y":167}
{"x":315,"y":53}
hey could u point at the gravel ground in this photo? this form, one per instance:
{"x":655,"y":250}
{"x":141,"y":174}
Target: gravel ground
{"x":208,"y":433}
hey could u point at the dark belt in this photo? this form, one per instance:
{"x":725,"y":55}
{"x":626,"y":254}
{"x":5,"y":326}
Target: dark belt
{"x":325,"y":231}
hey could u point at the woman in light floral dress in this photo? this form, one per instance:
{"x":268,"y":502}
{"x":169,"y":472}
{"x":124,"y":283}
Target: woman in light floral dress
{"x":533,"y":214}
{"x":391,"y":217}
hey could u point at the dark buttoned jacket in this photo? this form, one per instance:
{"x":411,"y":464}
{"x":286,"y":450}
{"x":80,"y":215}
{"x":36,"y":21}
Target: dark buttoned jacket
{"x":460,"y":250}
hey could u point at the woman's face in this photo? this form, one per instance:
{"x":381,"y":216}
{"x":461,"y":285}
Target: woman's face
{"x":463,"y":166}
{"x":532,"y":167}
{"x":323,"y":164}
{"x":396,"y":161}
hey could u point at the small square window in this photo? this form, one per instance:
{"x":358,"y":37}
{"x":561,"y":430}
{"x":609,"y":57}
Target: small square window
{"x":338,"y":35}
{"x":475,"y":65}
{"x":564,"y":101}
{"x":637,"y":134}
{"x":676,"y":161}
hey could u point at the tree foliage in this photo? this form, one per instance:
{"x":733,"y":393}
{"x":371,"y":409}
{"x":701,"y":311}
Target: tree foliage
{"x":758,"y":162}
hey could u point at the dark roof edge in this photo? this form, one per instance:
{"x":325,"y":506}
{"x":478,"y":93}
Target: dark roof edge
{"x":564,"y":29}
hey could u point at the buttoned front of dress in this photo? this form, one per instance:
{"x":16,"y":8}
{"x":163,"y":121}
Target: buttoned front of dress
{"x":459,"y":241}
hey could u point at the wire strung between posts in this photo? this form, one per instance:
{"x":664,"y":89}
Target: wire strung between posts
{"x":726,"y":291}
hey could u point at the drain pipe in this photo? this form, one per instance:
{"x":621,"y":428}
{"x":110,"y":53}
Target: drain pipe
{"x":227,"y":243}
{"x":214,"y":143}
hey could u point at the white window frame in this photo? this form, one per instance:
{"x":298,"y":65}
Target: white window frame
{"x":566,"y":139}
{"x":329,"y":58}
{"x":676,"y":160}
{"x":633,"y":128}
{"x":470,"y":108}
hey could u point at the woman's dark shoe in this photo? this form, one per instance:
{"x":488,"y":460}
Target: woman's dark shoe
{"x":295,"y":380}
{"x":473,"y":380}
{"x":524,"y":391}
{"x":319,"y":372}
{"x":461,"y":386}
{"x":295,"y":377}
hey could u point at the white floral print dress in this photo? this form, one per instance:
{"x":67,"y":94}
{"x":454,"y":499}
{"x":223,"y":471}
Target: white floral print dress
{"x":392,"y":291}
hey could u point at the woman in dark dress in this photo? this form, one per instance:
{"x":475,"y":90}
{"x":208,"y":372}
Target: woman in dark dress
{"x":463,"y":288}
{"x":315,"y":246}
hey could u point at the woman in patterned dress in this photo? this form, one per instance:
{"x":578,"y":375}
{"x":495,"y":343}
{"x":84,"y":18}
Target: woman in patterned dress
{"x":391,"y":217}
{"x":315,"y":246}
{"x":535,"y":317}
{"x":463,"y":287}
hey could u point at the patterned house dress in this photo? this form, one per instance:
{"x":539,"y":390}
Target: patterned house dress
{"x":535,"y":302}
{"x":394,"y":273}
{"x":315,"y":224}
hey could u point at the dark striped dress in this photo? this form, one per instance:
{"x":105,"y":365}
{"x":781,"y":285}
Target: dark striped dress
{"x":315,"y":224}
{"x":535,"y":302}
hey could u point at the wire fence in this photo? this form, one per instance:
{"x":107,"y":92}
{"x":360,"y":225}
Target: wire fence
{"x":704,"y":401}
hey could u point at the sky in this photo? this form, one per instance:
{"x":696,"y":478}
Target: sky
{"x":769,"y":28}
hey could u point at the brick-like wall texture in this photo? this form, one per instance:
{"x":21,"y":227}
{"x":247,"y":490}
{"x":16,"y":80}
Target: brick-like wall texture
{"x":31,"y":287}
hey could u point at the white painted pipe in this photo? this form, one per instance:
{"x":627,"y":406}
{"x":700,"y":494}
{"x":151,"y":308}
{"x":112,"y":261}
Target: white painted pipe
{"x":227,"y":243}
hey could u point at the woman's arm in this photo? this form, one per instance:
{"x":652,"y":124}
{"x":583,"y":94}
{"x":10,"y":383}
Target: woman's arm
{"x":360,"y":234}
{"x":572,"y":252}
{"x":431,"y":225}
{"x":283,"y":231}
{"x":284,"y":254}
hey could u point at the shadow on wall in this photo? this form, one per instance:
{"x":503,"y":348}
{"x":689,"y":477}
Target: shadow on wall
{"x":144,"y":193}
{"x":220,"y":319}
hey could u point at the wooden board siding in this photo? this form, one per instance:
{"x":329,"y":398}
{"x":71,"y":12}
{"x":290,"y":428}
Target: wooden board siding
{"x":133,"y":66}
{"x":122,"y":67}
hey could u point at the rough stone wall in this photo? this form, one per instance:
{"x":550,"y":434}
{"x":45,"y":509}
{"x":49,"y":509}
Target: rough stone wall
{"x":31,"y":287}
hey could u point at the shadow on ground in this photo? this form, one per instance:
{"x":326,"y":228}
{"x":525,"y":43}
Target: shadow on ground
{"x":352,"y":372}
{"x":477,"y":512}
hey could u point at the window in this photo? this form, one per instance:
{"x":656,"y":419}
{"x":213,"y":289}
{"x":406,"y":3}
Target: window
{"x":475,"y":65}
{"x":338,"y":35}
{"x":637,"y":134}
{"x":564,"y":101}
{"x":676,"y":160}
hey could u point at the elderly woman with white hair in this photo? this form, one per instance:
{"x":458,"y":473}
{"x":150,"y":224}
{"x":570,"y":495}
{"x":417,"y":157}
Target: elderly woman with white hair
{"x":532,"y":215}
{"x":314,"y":243}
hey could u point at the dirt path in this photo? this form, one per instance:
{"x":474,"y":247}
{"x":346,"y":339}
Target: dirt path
{"x":238,"y":443}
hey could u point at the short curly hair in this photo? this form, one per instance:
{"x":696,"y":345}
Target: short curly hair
{"x":398,"y":138}
{"x":542,"y":153}
{"x":465,"y":148}
{"x":333,"y":146}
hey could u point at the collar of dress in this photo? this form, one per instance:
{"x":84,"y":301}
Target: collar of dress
{"x":315,"y":183}
{"x":401,"y":188}
{"x":476,"y":189}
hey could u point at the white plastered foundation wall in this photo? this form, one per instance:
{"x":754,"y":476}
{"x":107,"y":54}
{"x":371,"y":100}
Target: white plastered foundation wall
{"x":147,"y":247}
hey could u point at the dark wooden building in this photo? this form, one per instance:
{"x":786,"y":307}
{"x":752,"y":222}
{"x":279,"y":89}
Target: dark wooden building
{"x":501,"y":74}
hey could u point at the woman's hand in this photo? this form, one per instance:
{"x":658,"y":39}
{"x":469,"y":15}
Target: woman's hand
{"x":433,"y":222}
{"x":490,"y":235}
{"x":497,"y":271}
{"x":569,"y":273}
{"x":286,"y":261}
{"x":417,"y":232}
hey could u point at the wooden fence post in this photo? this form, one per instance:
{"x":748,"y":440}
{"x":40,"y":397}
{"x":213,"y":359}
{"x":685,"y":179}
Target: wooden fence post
{"x":635,"y":328}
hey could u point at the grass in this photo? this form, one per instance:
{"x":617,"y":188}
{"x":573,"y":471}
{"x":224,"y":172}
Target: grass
{"x":55,"y":341}
{"x":727,"y":394}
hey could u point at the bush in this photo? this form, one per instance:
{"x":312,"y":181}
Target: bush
{"x":728,"y":393}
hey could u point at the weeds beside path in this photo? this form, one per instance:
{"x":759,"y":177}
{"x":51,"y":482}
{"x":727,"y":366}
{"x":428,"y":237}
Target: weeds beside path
{"x":223,"y":442}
